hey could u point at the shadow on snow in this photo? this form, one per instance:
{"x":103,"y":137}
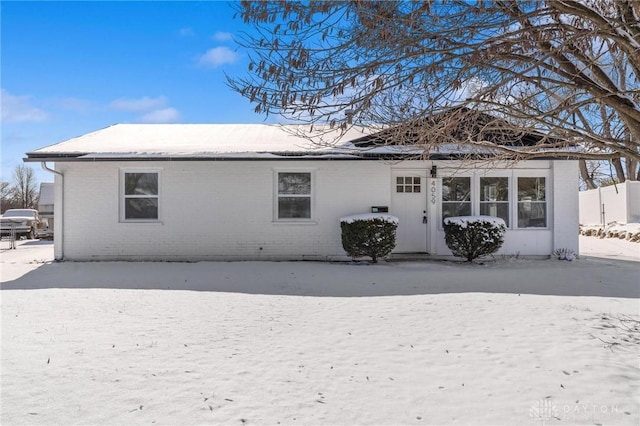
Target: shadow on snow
{"x":586,"y":277}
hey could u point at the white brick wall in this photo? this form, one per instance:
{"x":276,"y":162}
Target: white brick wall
{"x":215,"y":210}
{"x":224,"y":210}
{"x":565,"y":201}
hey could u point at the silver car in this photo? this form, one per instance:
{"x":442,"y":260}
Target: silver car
{"x":23,"y":221}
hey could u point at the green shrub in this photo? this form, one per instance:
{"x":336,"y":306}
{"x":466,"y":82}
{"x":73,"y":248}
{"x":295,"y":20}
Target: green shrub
{"x":372,"y":235}
{"x":473,"y":236}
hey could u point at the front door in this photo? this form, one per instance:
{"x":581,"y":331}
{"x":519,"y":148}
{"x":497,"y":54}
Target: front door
{"x":409,"y":204}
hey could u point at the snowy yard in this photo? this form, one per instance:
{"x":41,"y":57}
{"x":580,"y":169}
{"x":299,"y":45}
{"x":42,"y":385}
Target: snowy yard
{"x":527,"y":342}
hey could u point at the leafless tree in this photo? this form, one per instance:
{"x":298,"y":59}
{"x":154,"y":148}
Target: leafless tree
{"x":567,"y":71}
{"x":6,"y":196}
{"x":24,"y":187}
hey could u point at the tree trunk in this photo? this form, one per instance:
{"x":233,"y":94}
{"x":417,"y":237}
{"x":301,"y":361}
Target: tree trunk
{"x":584,"y":173}
{"x":619,"y":169}
{"x":633,"y":171}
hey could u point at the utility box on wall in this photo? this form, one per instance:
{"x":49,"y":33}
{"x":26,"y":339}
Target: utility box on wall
{"x":379,"y":209}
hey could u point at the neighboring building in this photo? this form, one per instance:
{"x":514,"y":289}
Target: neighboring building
{"x":46,"y":203}
{"x":226,"y":192}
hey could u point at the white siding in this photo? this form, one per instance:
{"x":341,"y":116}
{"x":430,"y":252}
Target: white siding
{"x":565,"y":201}
{"x":215,"y":210}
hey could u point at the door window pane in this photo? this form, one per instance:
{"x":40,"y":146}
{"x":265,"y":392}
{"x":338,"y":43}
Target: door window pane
{"x":408,"y":184}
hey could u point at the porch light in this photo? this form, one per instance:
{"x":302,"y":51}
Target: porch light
{"x":434,"y":171}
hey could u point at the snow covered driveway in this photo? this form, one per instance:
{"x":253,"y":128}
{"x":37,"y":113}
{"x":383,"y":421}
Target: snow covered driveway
{"x":512,"y":342}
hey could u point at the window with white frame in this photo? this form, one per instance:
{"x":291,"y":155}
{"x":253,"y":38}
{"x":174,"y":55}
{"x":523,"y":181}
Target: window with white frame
{"x":456,"y":196}
{"x":294,"y":195}
{"x":494,"y":197}
{"x":532,"y":202}
{"x":140,"y":195}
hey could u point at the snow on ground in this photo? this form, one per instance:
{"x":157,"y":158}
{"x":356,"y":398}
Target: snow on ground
{"x":626,"y":231}
{"x":515,"y":341}
{"x":611,"y":248}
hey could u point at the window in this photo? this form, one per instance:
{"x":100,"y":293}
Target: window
{"x":532,"y":204}
{"x":140,"y":196}
{"x":494,"y":197}
{"x":407,"y":184}
{"x":294,"y":195}
{"x":456,"y":197}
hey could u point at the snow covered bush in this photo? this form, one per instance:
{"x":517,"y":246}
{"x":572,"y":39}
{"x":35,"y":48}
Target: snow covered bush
{"x":372,"y":235}
{"x":565,"y":254}
{"x":473,"y":236}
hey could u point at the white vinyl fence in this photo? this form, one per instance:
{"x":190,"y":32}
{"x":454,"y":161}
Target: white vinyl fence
{"x":617,"y":203}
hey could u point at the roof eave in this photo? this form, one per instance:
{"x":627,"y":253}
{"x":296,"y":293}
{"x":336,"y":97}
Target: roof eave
{"x":303,"y":156}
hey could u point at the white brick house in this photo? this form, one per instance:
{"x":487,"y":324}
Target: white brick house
{"x":240,"y":192}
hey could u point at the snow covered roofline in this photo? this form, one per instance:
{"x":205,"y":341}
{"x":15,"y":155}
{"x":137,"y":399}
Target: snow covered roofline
{"x":197,"y":142}
{"x":158,"y":141}
{"x":205,"y":142}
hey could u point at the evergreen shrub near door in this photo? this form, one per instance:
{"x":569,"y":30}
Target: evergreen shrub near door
{"x":473,"y":236}
{"x":372,"y":235}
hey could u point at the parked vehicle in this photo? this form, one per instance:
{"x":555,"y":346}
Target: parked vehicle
{"x":44,"y":232}
{"x":24,"y":221}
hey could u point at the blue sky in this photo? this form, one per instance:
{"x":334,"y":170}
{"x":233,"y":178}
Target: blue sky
{"x":69,"y":68}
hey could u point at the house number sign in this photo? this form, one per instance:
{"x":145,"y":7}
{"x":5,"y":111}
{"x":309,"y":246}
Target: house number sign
{"x":433,"y":192}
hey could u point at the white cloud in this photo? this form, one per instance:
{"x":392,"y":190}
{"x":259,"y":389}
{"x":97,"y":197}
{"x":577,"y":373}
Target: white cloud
{"x":218,"y":56}
{"x":186,"y":32}
{"x":138,"y":105}
{"x":222,"y":36}
{"x":74,"y":104}
{"x":19,"y":109}
{"x":165,"y":115}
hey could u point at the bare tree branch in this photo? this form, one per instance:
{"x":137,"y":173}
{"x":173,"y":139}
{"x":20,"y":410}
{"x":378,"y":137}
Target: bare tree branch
{"x":24,"y":187}
{"x":567,"y":71}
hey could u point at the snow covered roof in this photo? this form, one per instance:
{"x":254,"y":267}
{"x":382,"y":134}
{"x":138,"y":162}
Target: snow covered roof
{"x":200,"y":141}
{"x":132,"y":142}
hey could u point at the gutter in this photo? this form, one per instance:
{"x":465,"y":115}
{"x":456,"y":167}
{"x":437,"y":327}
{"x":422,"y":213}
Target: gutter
{"x":61,"y":226}
{"x":302,"y":156}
